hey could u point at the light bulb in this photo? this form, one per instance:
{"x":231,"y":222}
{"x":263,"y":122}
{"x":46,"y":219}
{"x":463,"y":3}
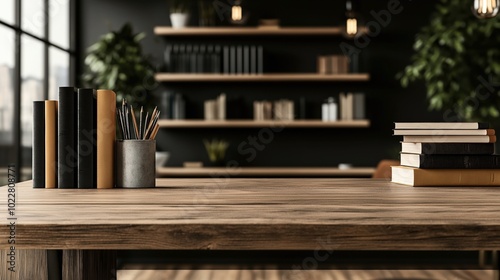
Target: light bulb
{"x":351,"y":27}
{"x":485,"y":8}
{"x":236,"y":13}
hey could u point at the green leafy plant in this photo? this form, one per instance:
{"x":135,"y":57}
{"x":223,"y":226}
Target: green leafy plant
{"x":117,"y":62}
{"x":179,"y":6}
{"x":457,"y":56}
{"x":216,"y":149}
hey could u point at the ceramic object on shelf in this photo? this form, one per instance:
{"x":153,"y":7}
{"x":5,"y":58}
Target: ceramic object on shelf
{"x":179,"y":20}
{"x":161,"y":158}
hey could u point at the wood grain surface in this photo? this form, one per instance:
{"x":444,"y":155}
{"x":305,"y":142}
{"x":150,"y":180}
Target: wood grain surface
{"x":255,"y":214}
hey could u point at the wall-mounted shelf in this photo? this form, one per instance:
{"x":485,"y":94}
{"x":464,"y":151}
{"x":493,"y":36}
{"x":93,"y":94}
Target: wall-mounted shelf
{"x":291,"y":77}
{"x":265,"y":172}
{"x":269,"y":123}
{"x":249,"y":31}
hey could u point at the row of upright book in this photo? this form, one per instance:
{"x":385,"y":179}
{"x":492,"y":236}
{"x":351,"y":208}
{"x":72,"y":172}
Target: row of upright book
{"x":218,"y":59}
{"x":447,"y":154}
{"x":74,"y":138}
{"x":282,"y":109}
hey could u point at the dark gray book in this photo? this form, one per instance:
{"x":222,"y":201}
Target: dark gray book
{"x":359,"y":106}
{"x":260,"y":60}
{"x":232,"y":60}
{"x":253,"y":60}
{"x":87,"y":138}
{"x":66,"y":148}
{"x":226,"y":60}
{"x":239,"y":57}
{"x":246,"y":60}
{"x":38,"y":144}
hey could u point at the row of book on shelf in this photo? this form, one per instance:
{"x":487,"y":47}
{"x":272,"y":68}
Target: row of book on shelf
{"x":333,"y":64}
{"x":74,"y":138}
{"x":240,"y":59}
{"x":282,"y":109}
{"x":447,"y":154}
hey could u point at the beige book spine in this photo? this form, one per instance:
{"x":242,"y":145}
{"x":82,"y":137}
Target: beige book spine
{"x":106,"y":134}
{"x":51,"y":144}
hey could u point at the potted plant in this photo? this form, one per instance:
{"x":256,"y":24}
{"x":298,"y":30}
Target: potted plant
{"x":179,"y":13}
{"x":458,"y":58}
{"x":216,"y":150}
{"x":116,"y":62}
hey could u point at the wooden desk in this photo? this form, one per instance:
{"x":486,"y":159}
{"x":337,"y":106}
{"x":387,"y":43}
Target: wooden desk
{"x":250,"y":214}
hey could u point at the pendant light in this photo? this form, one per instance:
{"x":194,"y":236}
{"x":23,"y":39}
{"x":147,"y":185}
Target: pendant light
{"x":351,"y":24}
{"x":485,"y":8}
{"x":236,"y":12}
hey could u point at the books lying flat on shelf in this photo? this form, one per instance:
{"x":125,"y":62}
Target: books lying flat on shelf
{"x":450,"y":139}
{"x":448,"y":148}
{"x":441,"y":125}
{"x":451,"y":161}
{"x":438,"y":132}
{"x":445,"y":177}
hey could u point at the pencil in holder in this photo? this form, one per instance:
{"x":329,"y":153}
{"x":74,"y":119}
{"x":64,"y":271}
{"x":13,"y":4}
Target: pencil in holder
{"x":136,"y":166}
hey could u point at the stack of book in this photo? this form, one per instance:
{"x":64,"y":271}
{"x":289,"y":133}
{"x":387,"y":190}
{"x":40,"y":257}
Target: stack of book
{"x":215,"y":109}
{"x":333,"y":64}
{"x":282,"y":109}
{"x":173,"y":106}
{"x":352,"y":106}
{"x":447,"y":154}
{"x":73,"y":139}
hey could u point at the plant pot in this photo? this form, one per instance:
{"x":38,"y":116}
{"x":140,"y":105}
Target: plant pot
{"x":179,"y":20}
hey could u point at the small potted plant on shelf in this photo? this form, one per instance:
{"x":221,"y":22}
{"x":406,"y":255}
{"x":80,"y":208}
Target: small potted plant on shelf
{"x":179,"y":13}
{"x":216,"y":150}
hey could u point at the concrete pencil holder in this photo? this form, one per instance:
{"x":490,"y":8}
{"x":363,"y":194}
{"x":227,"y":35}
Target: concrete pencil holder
{"x":135,"y":163}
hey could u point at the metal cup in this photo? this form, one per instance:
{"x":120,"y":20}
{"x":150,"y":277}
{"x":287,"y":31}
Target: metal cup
{"x":135,"y":163}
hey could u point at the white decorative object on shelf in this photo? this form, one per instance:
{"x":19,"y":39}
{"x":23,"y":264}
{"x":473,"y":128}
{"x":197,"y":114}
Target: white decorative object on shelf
{"x":179,"y":20}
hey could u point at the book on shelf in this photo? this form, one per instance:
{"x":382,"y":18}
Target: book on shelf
{"x":451,"y":139}
{"x":86,"y":138}
{"x":106,"y":134}
{"x":438,"y":132}
{"x":441,"y":125}
{"x":450,"y":161}
{"x":66,"y":142}
{"x":346,"y":106}
{"x":215,"y":109}
{"x":448,"y":148}
{"x":417,"y":177}
{"x":262,"y":110}
{"x":359,"y":108}
{"x":51,"y":144}
{"x":38,"y":157}
{"x":284,"y":110}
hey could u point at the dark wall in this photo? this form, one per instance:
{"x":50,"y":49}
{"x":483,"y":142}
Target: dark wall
{"x":384,"y":56}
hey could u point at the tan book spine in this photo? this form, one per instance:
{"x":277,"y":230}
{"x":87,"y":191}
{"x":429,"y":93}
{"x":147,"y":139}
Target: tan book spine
{"x":445,"y":177}
{"x":51,"y":144}
{"x":106,"y":134}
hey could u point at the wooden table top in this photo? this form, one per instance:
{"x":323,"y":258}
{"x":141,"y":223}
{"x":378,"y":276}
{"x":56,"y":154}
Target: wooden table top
{"x":256,"y":214}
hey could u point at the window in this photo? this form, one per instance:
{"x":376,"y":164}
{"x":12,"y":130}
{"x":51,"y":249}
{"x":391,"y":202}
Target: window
{"x":37,"y":57}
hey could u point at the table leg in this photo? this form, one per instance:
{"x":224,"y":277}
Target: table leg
{"x":24,"y":264}
{"x":88,"y":264}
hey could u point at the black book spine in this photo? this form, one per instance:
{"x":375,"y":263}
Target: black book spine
{"x":459,"y":162}
{"x":39,"y":144}
{"x":458,"y":148}
{"x":66,"y":151}
{"x":86,"y":141}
